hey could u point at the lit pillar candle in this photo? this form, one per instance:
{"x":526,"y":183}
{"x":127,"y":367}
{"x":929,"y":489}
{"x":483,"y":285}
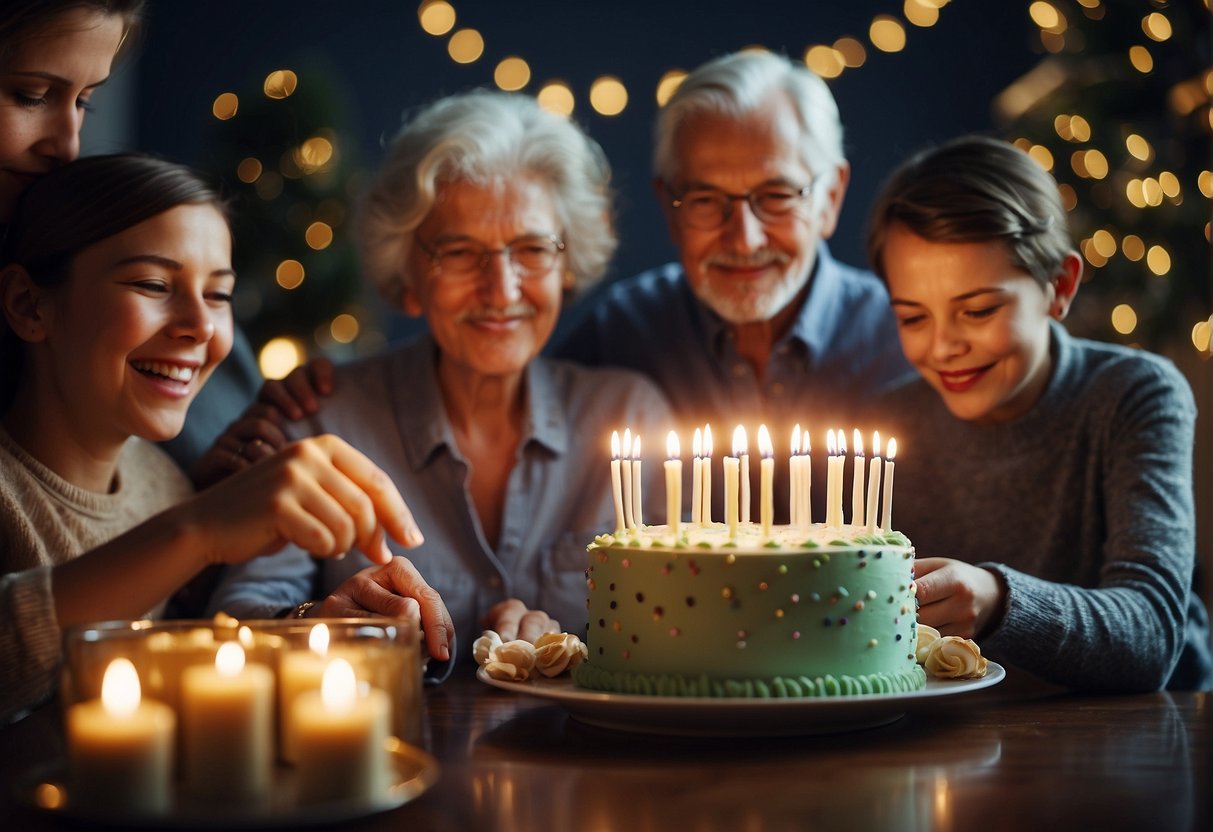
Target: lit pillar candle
{"x":766,"y":496}
{"x":731,"y":471}
{"x":227,"y":712}
{"x":300,"y":671}
{"x":673,"y":484}
{"x":697,"y":478}
{"x":636,"y":491}
{"x":887,"y":516}
{"x":833,"y":488}
{"x":742,"y":449}
{"x":616,"y":484}
{"x":794,"y":478}
{"x":626,"y":467}
{"x":858,"y":473}
{"x":345,"y":737}
{"x":705,"y":514}
{"x":120,"y":749}
{"x":806,"y":479}
{"x":874,"y":482}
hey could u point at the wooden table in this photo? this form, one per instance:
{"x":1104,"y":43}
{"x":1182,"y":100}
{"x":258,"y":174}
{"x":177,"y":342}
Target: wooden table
{"x":1008,"y":757}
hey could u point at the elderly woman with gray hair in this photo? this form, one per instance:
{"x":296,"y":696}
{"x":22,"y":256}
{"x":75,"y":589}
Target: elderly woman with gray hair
{"x":487,"y":211}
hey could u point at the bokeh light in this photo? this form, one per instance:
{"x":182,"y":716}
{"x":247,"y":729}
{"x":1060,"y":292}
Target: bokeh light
{"x":921,"y":13}
{"x":465,"y":46}
{"x":1132,"y":247}
{"x":248,"y":170}
{"x":1156,"y":26}
{"x":319,"y":235}
{"x":1158,"y":259}
{"x":279,"y":356}
{"x":1124,"y":319}
{"x":826,"y":61}
{"x":344,"y":328}
{"x":225,"y":105}
{"x":669,"y":84}
{"x":887,"y":34}
{"x":608,"y":96}
{"x":512,"y":74}
{"x":280,"y":83}
{"x":852,"y":51}
{"x":556,"y":97}
{"x":437,"y":17}
{"x":1141,"y":59}
{"x":1138,"y":147}
{"x":289,"y":274}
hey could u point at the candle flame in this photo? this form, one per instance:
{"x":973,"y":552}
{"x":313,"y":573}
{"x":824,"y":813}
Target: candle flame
{"x":120,"y":689}
{"x":229,"y":659}
{"x":892,"y":450}
{"x":671,"y":446}
{"x":764,"y":442}
{"x":805,"y":445}
{"x":707,"y":440}
{"x":831,"y":445}
{"x":858,"y":442}
{"x":318,"y":639}
{"x":739,"y":441}
{"x":636,"y":447}
{"x":626,"y":450}
{"x":245,"y":634}
{"x":796,"y":439}
{"x":875,"y":443}
{"x":842,"y":442}
{"x":697,"y":444}
{"x":614,"y":444}
{"x":338,"y":686}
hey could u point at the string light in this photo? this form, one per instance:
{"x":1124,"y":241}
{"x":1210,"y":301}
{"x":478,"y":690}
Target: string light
{"x":1141,"y":59}
{"x":225,"y":106}
{"x":669,"y":84}
{"x":437,"y":17}
{"x":608,"y":96}
{"x":248,"y":170}
{"x":281,"y":83}
{"x":852,"y":51}
{"x":512,"y":74}
{"x":1124,"y":319}
{"x":826,"y":61}
{"x":319,"y":235}
{"x":887,"y":34}
{"x":289,"y":274}
{"x":1156,"y":26}
{"x":1138,"y":147}
{"x":921,"y":13}
{"x":1132,"y":247}
{"x":1158,"y":260}
{"x":465,"y":46}
{"x":1202,"y":334}
{"x":556,"y":97}
{"x":344,"y":328}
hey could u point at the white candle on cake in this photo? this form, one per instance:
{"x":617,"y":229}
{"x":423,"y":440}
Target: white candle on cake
{"x":766,"y":497}
{"x":636,"y":490}
{"x":806,"y":479}
{"x":120,"y":748}
{"x":345,"y":736}
{"x":794,"y":478}
{"x":731,"y":470}
{"x":858,"y":473}
{"x":742,"y":450}
{"x":227,"y":727}
{"x":626,"y":469}
{"x":705,"y":514}
{"x":616,"y":484}
{"x":697,"y":477}
{"x":888,"y":486}
{"x":673,"y":484}
{"x":833,"y":481}
{"x":874,"y":482}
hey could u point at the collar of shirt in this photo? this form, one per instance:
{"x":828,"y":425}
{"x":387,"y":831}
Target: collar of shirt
{"x":425,"y":427}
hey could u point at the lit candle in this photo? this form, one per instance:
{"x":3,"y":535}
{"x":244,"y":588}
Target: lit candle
{"x":833,"y":482}
{"x":806,"y":479}
{"x":120,"y":748}
{"x":673,"y":484}
{"x":697,"y":478}
{"x":616,"y":484}
{"x":888,"y":486}
{"x":766,"y":498}
{"x":742,"y":450}
{"x":626,"y":464}
{"x":857,"y":473}
{"x":874,"y":482}
{"x":636,"y":513}
{"x":731,"y":472}
{"x":300,"y":671}
{"x":227,"y":731}
{"x":345,"y":738}
{"x":794,"y":478}
{"x":705,"y":514}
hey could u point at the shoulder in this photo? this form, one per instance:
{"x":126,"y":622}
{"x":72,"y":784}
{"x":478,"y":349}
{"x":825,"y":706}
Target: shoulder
{"x":595,"y":392}
{"x":1115,"y":374}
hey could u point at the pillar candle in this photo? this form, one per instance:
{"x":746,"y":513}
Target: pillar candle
{"x":636,"y":491}
{"x":766,"y":497}
{"x":616,"y":484}
{"x":626,"y":467}
{"x":857,"y":482}
{"x":345,"y":737}
{"x":705,"y":514}
{"x":833,"y":482}
{"x":806,"y":479}
{"x":299,"y":671}
{"x":887,"y":516}
{"x":794,"y":478}
{"x":874,"y":482}
{"x":673,"y":484}
{"x":120,"y":748}
{"x":227,"y":714}
{"x":697,"y":478}
{"x":731,"y":470}
{"x":742,"y":452}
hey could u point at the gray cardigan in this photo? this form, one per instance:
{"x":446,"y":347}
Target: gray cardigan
{"x":1083,"y":506}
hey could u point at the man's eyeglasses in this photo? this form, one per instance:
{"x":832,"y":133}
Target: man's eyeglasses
{"x":709,"y":208}
{"x":458,"y":260}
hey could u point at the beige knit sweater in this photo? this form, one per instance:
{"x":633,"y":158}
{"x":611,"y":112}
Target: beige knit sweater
{"x":45,"y":521}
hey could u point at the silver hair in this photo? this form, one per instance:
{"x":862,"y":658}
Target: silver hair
{"x":741,"y":83}
{"x":486,"y":137}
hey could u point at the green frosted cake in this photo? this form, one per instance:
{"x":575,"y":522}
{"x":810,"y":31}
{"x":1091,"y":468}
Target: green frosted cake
{"x":802,"y":612}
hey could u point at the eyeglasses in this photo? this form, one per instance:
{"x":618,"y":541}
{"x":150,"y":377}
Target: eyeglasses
{"x":708,"y":208}
{"x":459,"y":260}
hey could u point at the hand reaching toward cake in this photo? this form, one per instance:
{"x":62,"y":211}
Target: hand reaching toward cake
{"x":956,"y":598}
{"x":511,"y":619}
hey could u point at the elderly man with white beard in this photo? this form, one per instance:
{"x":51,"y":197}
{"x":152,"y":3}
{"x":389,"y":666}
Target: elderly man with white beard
{"x":757,"y":323}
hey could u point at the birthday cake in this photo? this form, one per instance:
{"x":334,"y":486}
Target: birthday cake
{"x":799,"y":612}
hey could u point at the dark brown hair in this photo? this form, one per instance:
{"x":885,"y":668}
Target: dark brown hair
{"x":20,"y":19}
{"x":976,"y":189}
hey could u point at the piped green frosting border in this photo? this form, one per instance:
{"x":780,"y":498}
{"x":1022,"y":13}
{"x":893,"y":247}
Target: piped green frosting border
{"x":778,"y":687}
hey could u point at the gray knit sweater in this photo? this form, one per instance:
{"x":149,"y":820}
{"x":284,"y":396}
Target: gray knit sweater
{"x":1083,"y":506}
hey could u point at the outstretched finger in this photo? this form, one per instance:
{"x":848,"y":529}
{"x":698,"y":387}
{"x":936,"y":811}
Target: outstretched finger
{"x":389,"y":507}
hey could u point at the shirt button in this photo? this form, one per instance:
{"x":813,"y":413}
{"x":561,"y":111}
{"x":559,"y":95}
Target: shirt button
{"x":738,"y":370}
{"x":495,"y":581}
{"x":777,"y":389}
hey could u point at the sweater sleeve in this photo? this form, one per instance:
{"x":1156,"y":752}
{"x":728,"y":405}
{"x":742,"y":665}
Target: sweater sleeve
{"x":1127,"y":633}
{"x":30,"y":649}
